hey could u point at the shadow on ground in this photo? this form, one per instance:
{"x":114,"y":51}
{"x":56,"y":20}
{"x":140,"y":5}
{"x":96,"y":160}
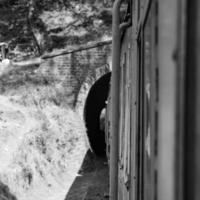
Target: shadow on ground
{"x":5,"y":193}
{"x":92,"y":181}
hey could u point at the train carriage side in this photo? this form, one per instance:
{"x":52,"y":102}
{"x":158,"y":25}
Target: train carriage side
{"x":158,"y":122}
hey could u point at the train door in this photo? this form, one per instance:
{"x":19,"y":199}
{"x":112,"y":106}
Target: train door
{"x":148,"y":99}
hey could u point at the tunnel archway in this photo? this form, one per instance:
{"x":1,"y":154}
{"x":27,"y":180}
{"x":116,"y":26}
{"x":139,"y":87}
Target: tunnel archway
{"x":94,"y":104}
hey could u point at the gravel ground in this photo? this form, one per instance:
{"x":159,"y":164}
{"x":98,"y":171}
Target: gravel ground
{"x":92,"y":183}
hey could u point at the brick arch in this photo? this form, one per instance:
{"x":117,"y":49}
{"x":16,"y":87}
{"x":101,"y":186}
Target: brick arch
{"x":94,"y":104}
{"x":88,"y":83}
{"x":73,"y":74}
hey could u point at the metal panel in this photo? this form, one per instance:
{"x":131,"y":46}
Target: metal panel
{"x":180,"y":76}
{"x":192,"y":120}
{"x":147,"y":132}
{"x":134,"y":104}
{"x":148,"y":103}
{"x":147,"y":93}
{"x":125,"y":119}
{"x":167,"y":21}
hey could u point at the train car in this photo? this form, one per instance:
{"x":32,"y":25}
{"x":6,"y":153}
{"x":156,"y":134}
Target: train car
{"x":153,"y":111}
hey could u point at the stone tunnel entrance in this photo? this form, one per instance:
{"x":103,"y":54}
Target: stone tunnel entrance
{"x":94,"y":104}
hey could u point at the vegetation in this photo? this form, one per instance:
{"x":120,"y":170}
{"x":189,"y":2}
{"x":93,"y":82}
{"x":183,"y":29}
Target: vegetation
{"x":37,"y":26}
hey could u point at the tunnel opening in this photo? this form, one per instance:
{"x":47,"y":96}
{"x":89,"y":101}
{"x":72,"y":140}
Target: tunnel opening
{"x":93,"y":109}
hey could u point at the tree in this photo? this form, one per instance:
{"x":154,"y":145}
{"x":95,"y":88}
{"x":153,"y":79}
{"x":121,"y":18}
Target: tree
{"x":37,"y":26}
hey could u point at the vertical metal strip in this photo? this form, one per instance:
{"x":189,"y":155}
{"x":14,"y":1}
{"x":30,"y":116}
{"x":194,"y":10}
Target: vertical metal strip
{"x":115,"y":102}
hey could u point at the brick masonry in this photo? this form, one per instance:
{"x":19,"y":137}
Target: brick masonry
{"x":64,"y":80}
{"x":73,"y":74}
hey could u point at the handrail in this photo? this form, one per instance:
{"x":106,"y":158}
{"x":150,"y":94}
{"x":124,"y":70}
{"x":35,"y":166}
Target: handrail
{"x":116,"y":34}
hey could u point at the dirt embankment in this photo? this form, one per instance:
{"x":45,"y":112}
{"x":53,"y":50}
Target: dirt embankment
{"x":42,"y":140}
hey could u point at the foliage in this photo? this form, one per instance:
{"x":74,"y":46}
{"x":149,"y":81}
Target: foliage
{"x":37,"y":26}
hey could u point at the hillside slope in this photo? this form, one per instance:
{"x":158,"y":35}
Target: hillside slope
{"x":42,"y":143}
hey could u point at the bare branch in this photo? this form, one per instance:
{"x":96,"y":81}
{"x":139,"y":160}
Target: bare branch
{"x":81,"y":48}
{"x":15,"y":66}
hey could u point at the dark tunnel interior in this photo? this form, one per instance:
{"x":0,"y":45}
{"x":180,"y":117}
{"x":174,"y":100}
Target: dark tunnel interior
{"x":94,"y":104}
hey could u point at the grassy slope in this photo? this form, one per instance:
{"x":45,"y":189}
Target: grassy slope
{"x":42,"y":142}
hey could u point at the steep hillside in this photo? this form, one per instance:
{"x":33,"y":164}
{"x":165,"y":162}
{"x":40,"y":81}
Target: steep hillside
{"x":42,"y":144}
